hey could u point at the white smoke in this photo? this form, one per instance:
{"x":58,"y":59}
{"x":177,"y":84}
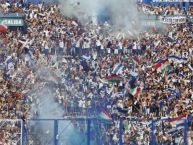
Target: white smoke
{"x":44,"y":94}
{"x":123,"y":13}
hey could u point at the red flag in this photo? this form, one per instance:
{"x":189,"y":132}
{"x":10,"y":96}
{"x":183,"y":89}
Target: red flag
{"x":3,"y":28}
{"x":136,"y":59}
{"x":159,"y":63}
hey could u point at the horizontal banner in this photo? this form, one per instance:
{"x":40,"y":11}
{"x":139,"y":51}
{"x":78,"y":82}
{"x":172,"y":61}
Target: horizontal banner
{"x":173,"y":19}
{"x":172,"y":1}
{"x":11,"y":22}
{"x":12,"y":19}
{"x":12,"y":15}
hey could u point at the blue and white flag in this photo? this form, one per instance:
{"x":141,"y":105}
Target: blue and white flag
{"x":117,"y":68}
{"x":8,"y":59}
{"x":8,"y":62}
{"x":86,"y":57}
{"x":177,"y":123}
{"x":177,"y":59}
{"x":174,"y":91}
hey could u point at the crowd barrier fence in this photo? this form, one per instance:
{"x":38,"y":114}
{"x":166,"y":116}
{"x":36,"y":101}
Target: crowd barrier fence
{"x":94,"y":131}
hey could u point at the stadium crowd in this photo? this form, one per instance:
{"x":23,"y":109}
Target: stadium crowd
{"x":145,"y":77}
{"x":164,"y":10}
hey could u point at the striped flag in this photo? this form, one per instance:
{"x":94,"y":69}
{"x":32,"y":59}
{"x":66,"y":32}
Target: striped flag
{"x":9,"y":62}
{"x":178,"y":122}
{"x":113,"y":78}
{"x":177,"y":119}
{"x":117,"y":68}
{"x":173,"y":91}
{"x":177,"y":59}
{"x":159,"y":63}
{"x":164,"y":70}
{"x":103,"y":81}
{"x":86,"y":57}
{"x":134,"y":91}
{"x":136,"y":59}
{"x":104,"y":115}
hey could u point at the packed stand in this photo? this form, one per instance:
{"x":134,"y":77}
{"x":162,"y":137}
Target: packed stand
{"x":11,"y":133}
{"x":154,"y":78}
{"x":162,"y":10}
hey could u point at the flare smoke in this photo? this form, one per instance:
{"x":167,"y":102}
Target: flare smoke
{"x":122,"y":13}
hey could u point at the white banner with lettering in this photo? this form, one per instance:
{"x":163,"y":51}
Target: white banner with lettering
{"x":173,"y":19}
{"x":171,"y":0}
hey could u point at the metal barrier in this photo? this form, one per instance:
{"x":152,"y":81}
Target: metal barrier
{"x":93,"y":131}
{"x":39,"y":132}
{"x":77,"y":131}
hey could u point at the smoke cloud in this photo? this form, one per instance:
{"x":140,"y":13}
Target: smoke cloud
{"x":123,"y":13}
{"x":46,"y":106}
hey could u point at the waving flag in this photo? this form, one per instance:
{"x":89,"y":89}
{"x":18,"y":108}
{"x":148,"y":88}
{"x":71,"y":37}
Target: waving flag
{"x":9,"y":62}
{"x":164,"y":72}
{"x":103,"y":81}
{"x":118,"y":68}
{"x":178,"y":122}
{"x":159,"y":63}
{"x":3,"y":28}
{"x":86,"y":57}
{"x":175,"y":92}
{"x":177,"y":59}
{"x":134,"y":91}
{"x":104,"y":115}
{"x":136,"y":59}
{"x":113,"y":78}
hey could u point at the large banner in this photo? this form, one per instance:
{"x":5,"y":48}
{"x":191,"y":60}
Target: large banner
{"x":160,"y":20}
{"x":11,"y":19}
{"x":11,"y":22}
{"x":171,"y":1}
{"x":173,"y":19}
{"x":181,"y":3}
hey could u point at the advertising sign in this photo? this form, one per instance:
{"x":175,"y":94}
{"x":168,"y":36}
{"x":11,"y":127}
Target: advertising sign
{"x":11,"y":22}
{"x":173,"y":19}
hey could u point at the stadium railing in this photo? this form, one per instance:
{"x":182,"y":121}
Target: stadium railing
{"x":94,"y":131}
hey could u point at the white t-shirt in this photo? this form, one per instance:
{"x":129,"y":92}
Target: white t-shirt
{"x":78,"y":44}
{"x":116,"y":51}
{"x":61,"y":44}
{"x":102,"y":47}
{"x":98,"y":43}
{"x":46,"y":46}
{"x":135,"y":46}
{"x":120,"y":45}
{"x":87,"y":45}
{"x":108,"y":50}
